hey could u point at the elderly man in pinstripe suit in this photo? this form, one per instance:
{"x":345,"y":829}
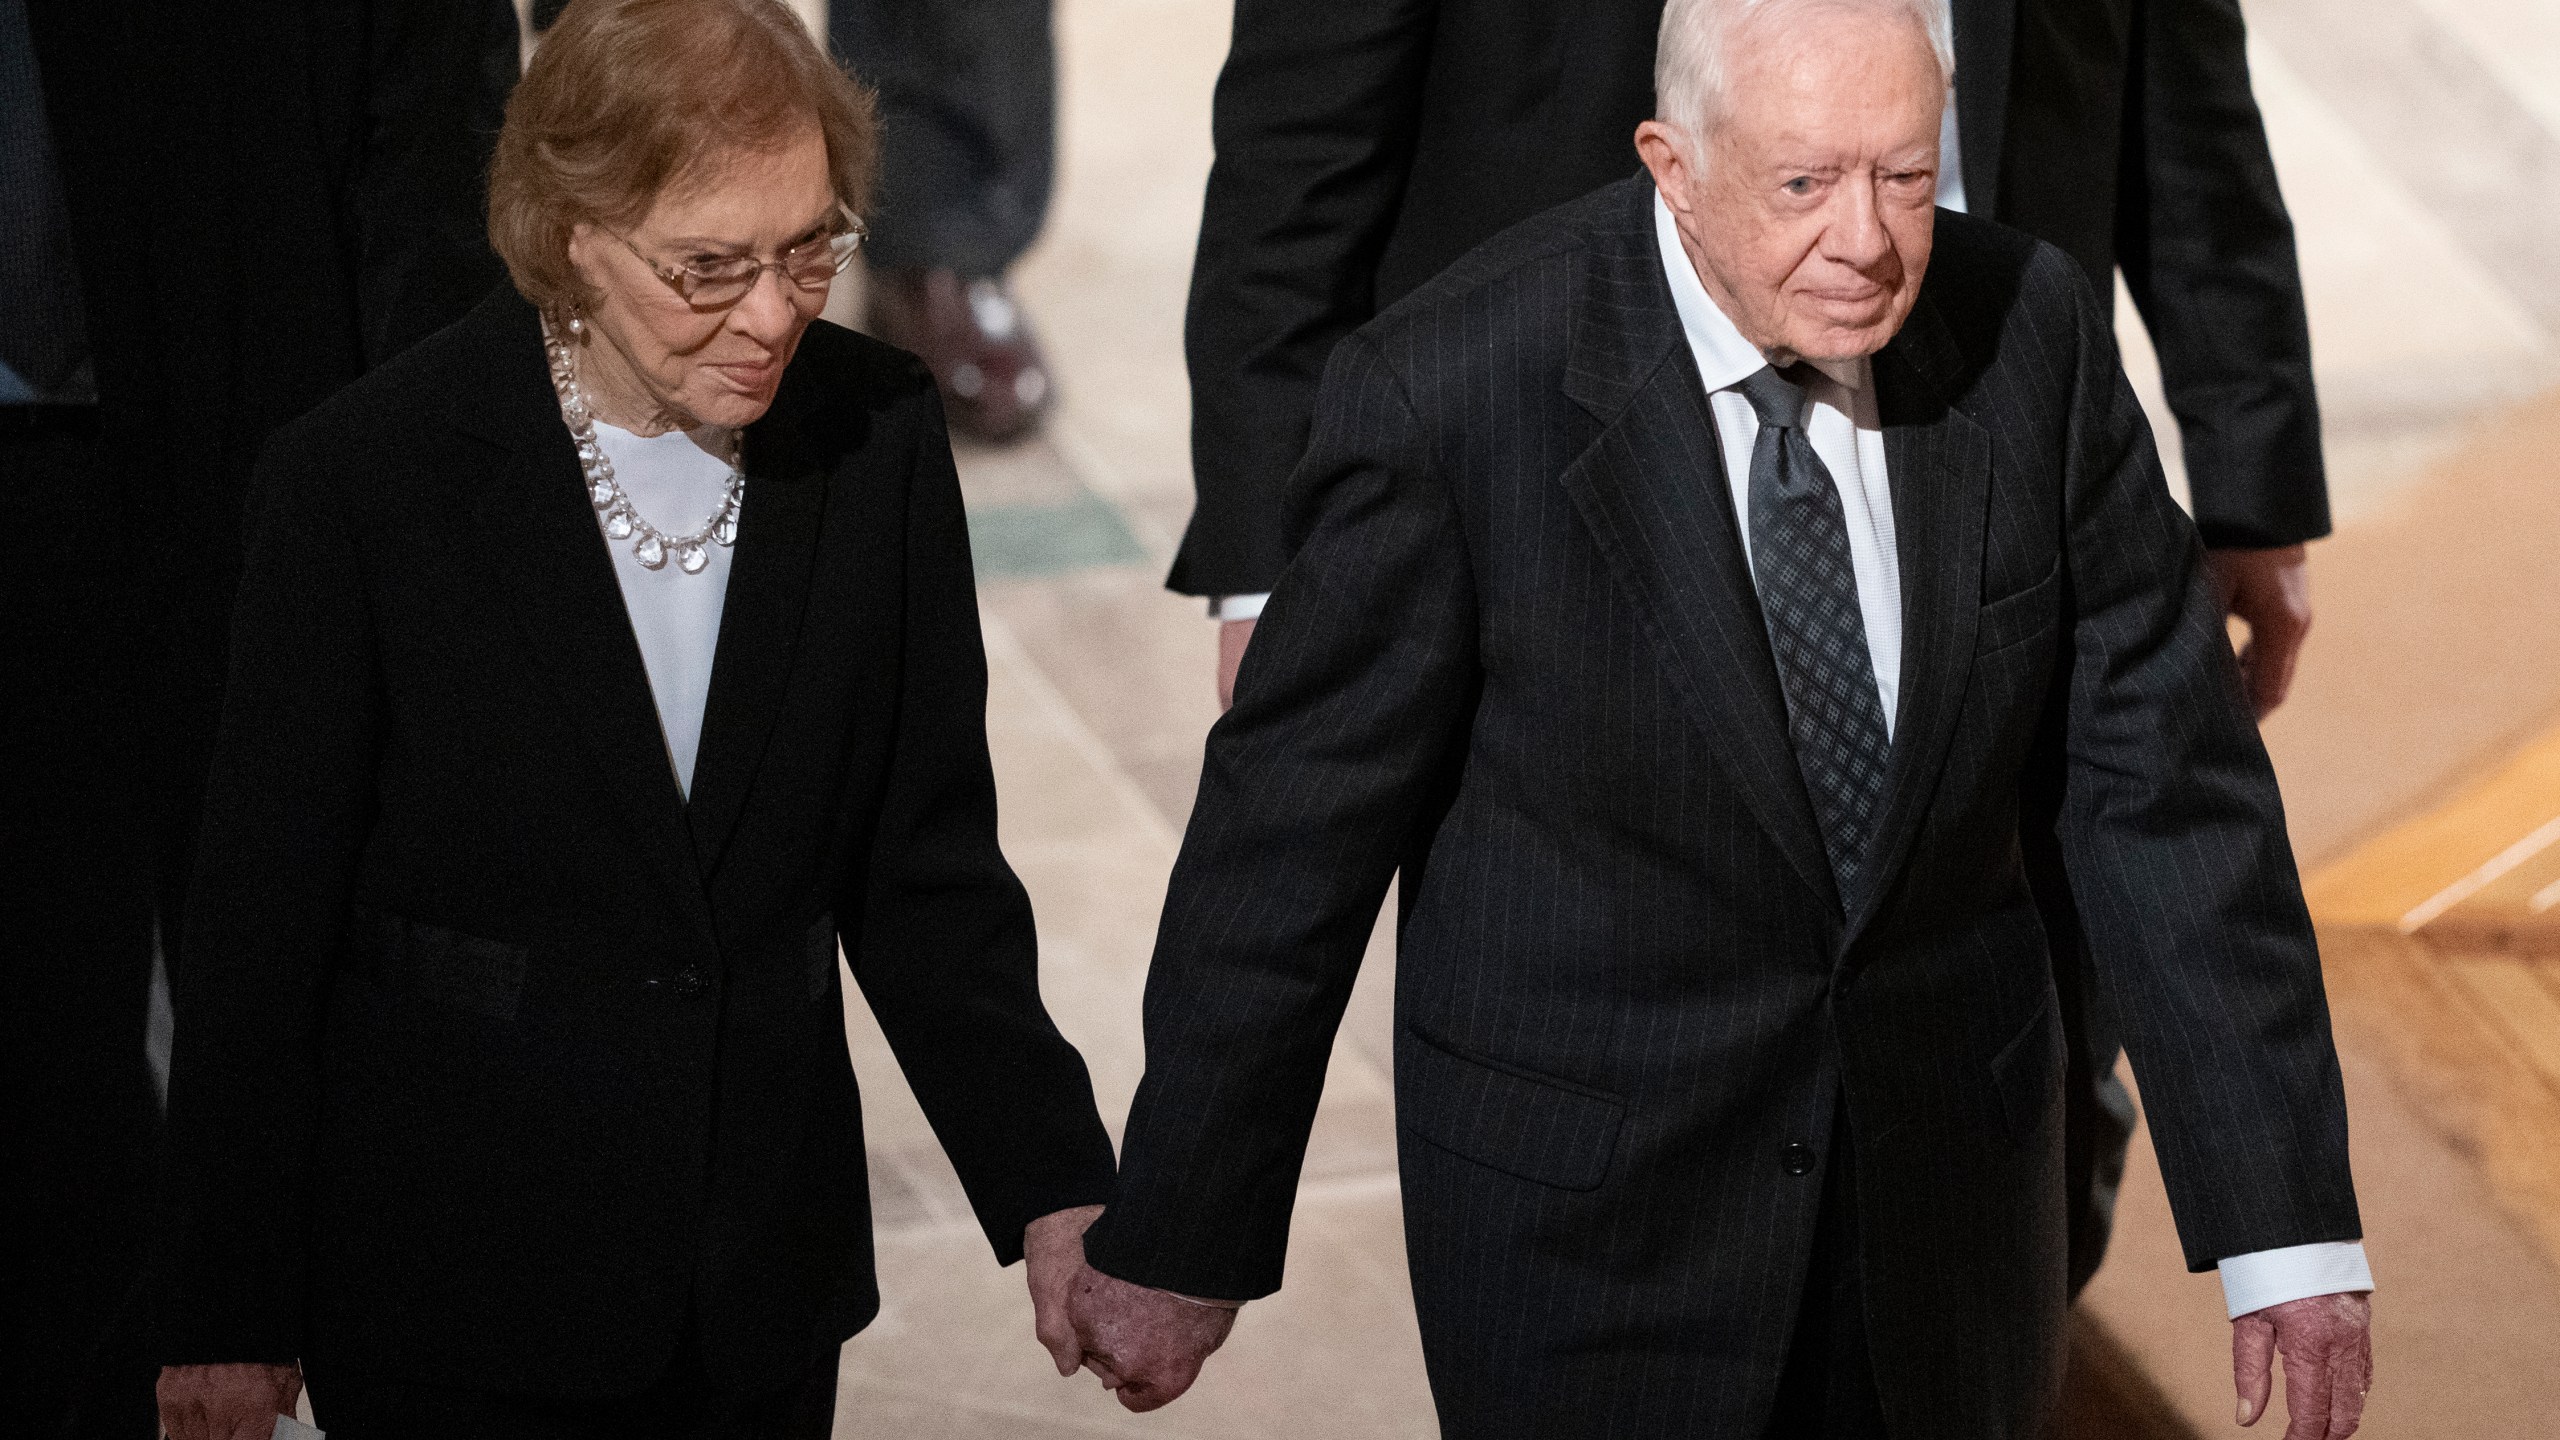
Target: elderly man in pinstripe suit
{"x":1701,"y":589}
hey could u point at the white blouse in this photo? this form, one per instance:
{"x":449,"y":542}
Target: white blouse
{"x":676,"y":485}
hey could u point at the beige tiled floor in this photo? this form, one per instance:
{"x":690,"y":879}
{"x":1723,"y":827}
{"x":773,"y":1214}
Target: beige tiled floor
{"x":1101,"y":695}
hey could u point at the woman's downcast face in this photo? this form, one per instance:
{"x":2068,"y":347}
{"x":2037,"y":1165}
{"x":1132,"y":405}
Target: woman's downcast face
{"x":654,"y":360}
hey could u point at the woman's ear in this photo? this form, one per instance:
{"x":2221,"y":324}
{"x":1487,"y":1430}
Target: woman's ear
{"x":582,"y":253}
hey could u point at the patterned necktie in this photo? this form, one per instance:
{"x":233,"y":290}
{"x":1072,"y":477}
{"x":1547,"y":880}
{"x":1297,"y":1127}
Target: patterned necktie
{"x":1809,"y":597}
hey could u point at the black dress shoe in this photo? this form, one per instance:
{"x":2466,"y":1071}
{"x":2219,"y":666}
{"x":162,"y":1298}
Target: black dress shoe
{"x":973,"y":336}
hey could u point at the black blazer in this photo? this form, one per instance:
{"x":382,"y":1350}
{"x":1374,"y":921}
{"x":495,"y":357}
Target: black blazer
{"x":497,"y":1061}
{"x":1363,"y":145}
{"x":265,"y":198}
{"x":1519,"y":656}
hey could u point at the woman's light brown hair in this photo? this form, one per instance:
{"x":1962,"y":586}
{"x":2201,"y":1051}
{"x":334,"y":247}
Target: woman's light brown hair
{"x":626,"y":98}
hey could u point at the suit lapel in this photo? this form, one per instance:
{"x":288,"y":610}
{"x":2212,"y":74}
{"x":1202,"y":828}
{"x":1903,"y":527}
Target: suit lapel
{"x":760,"y":618}
{"x":1939,"y":464}
{"x":1652,"y":491}
{"x":1986,"y":37}
{"x":544,"y":559}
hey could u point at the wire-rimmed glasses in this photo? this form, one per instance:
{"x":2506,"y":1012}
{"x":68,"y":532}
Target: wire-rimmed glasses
{"x":716,"y":283}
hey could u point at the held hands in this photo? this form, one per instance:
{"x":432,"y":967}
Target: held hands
{"x":1146,"y":1345}
{"x":226,"y":1402}
{"x":2327,"y":1344}
{"x":1052,"y":1254}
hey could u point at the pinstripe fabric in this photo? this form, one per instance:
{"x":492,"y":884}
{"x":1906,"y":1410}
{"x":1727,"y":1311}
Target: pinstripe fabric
{"x":1519,"y":656}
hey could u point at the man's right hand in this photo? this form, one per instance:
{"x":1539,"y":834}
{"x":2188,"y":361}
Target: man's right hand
{"x":1147,"y":1345}
{"x":226,"y":1402}
{"x":1233,"y":636}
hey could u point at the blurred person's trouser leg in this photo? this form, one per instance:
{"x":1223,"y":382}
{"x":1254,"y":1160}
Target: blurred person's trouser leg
{"x":79,"y":1112}
{"x":968,"y":99}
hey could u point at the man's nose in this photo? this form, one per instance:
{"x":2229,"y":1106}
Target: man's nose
{"x":1857,"y":236}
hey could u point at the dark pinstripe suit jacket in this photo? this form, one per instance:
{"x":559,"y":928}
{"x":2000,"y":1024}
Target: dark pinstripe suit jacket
{"x":1519,"y":655}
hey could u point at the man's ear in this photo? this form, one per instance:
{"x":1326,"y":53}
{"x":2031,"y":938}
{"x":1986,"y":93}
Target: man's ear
{"x":1665,"y":151}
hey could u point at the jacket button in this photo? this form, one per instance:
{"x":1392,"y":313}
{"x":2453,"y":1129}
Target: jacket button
{"x":1797,"y":1158}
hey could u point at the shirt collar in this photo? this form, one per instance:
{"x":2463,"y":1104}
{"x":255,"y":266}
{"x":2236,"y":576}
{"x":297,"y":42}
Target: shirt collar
{"x":1725,"y":359}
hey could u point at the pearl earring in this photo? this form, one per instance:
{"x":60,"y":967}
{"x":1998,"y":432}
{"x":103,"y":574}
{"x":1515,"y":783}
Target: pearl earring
{"x":577,"y":326}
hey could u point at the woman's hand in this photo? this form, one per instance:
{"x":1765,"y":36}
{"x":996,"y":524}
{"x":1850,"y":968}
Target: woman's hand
{"x":1052,"y":1253}
{"x":231,"y":1402}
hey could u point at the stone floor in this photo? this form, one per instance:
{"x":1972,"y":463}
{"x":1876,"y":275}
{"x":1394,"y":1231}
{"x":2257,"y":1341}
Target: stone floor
{"x":2419,"y":144}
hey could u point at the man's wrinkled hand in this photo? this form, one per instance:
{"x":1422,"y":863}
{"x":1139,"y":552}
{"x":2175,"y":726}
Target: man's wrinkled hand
{"x":2271,"y":590}
{"x":2327,"y":1344}
{"x":1146,"y":1345}
{"x":226,"y":1402}
{"x":1052,"y":1256}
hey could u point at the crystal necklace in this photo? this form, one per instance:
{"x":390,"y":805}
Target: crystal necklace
{"x":653,"y":547}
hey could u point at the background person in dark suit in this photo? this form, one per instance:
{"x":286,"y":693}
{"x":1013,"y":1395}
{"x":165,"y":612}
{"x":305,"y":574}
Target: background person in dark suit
{"x":215,"y":216}
{"x":1688,"y":591}
{"x":600,"y":664}
{"x":968,"y":102}
{"x":1362,"y":147}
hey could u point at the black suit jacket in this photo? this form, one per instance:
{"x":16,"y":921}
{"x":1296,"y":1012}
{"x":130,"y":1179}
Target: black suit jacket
{"x":498,"y":1061}
{"x":265,"y":199}
{"x":1363,"y":145}
{"x":1519,"y":655}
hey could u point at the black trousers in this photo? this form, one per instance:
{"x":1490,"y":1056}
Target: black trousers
{"x":79,"y":1110}
{"x":683,"y":1405}
{"x":968,"y":109}
{"x":1828,"y":1389}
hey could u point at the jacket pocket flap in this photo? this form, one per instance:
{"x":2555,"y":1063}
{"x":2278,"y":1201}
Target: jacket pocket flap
{"x":2027,"y":1072}
{"x":1533,"y":1126}
{"x":467,"y":972}
{"x":2021,"y":616}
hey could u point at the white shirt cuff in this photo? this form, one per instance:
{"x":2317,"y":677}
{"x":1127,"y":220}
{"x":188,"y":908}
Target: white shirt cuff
{"x":2296,"y":1272}
{"x":1237,"y":607}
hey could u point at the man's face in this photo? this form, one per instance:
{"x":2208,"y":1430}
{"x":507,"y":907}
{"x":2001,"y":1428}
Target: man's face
{"x":1811,"y":215}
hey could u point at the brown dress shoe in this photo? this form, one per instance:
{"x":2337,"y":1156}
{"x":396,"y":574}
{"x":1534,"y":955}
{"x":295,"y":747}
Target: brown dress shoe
{"x":974,"y":338}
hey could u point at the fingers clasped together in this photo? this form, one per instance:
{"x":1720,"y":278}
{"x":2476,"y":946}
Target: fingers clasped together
{"x":1146,"y":1345}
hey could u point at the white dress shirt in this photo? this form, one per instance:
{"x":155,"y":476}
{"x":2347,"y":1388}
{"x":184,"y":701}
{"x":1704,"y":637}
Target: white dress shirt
{"x":1840,"y":419}
{"x":1841,"y":422}
{"x":676,"y":485}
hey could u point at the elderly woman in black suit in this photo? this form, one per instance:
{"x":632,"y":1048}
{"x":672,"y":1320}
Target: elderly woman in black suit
{"x":599,"y":665}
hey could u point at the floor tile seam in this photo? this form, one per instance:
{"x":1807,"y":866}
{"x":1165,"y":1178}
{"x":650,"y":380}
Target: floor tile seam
{"x":1005,"y":647}
{"x":1094,"y":470}
{"x":2335,"y":52}
{"x":2519,"y":80}
{"x":2455,"y":253}
{"x":2497,"y":1027}
{"x":2378,"y":404}
{"x":2412,"y":827}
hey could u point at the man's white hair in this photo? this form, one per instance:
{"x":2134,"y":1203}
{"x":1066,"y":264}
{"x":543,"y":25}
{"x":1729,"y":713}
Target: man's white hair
{"x":1693,"y":63}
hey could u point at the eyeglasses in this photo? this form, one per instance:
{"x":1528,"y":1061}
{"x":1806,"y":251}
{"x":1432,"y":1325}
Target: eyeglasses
{"x":719,"y":282}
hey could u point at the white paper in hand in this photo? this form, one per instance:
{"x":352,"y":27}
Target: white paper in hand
{"x":288,"y":1428}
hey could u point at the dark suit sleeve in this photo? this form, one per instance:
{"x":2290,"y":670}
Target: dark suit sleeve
{"x":1315,"y":121}
{"x":1351,"y":704}
{"x":286,"y":814}
{"x":439,"y":72}
{"x":945,"y":952}
{"x":2173,"y":837}
{"x":2207,"y":250}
